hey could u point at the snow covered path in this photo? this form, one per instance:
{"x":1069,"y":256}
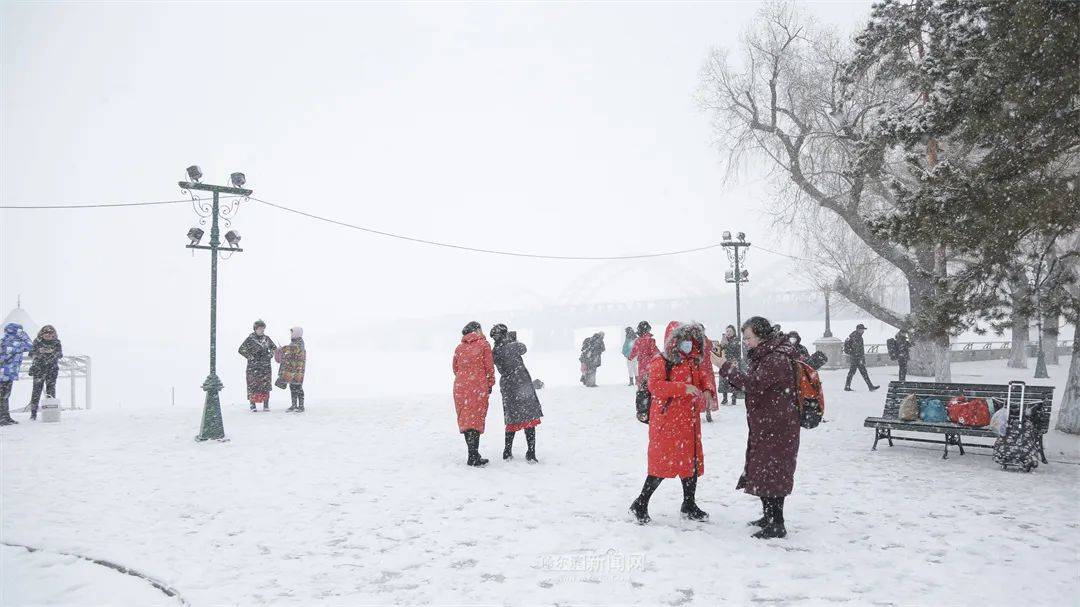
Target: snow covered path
{"x":371,"y":503}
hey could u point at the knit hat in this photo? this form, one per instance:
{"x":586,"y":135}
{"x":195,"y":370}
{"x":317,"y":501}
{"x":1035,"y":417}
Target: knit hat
{"x":498,"y":332}
{"x":258,"y":323}
{"x":471,"y":327}
{"x":643,"y":327}
{"x":296,"y":332}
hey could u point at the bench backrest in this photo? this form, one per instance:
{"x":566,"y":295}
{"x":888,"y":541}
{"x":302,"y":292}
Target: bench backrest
{"x":899,"y":390}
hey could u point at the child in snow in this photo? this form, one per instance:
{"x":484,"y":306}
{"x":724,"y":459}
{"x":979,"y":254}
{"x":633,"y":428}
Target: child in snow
{"x":292,"y":361}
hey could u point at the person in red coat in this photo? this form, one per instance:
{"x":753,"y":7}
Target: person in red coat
{"x":644,"y":351}
{"x":772,"y":444}
{"x":474,"y":376}
{"x":679,"y":385}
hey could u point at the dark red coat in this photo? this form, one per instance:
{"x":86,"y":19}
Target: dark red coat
{"x":772,"y":445}
{"x":674,"y":417}
{"x":474,"y":376}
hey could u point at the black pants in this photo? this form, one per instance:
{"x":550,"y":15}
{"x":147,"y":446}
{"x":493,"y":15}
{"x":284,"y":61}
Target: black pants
{"x":5,"y":396}
{"x":861,"y":367}
{"x":297,"y":393}
{"x":44,"y":379}
{"x":903,"y":368}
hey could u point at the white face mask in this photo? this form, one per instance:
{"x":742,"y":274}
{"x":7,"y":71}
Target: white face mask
{"x":686,"y":346}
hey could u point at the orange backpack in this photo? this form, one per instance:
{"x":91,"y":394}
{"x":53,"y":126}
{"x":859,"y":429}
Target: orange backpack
{"x":808,"y":394}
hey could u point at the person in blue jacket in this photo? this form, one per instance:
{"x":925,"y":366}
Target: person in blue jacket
{"x":13,"y":345}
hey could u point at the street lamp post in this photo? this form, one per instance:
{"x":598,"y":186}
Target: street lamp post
{"x":828,"y":328}
{"x":735,"y":254}
{"x":212,"y":426}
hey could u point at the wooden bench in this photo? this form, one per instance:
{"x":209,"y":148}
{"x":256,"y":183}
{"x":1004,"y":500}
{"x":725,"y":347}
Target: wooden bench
{"x":890,"y":418}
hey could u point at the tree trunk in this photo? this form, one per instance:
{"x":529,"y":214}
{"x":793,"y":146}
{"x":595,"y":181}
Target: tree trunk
{"x":1050,"y":337}
{"x":1069,"y":413}
{"x":929,"y":353}
{"x":1021,"y":327}
{"x":1021,"y":336}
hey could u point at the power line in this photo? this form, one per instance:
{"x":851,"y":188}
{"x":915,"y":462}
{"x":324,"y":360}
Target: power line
{"x":488,"y":251}
{"x":98,"y":205}
{"x":413,"y":239}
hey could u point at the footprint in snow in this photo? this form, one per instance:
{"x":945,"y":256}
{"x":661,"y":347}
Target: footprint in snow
{"x":464,"y":564}
{"x":490,"y":577}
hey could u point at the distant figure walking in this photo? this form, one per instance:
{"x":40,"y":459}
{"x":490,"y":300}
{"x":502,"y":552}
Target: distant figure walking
{"x":644,"y":351}
{"x":474,"y":377}
{"x":13,"y":345}
{"x":680,"y":384}
{"x":627,"y":347}
{"x":592,"y":350}
{"x":292,"y":363}
{"x":732,"y":349}
{"x":900,"y":351}
{"x":772,"y":443}
{"x":521,"y":406}
{"x":46,"y":354}
{"x":856,"y":352}
{"x":259,"y":350}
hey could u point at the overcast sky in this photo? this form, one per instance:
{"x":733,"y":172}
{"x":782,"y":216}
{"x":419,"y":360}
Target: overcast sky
{"x":559,"y":128}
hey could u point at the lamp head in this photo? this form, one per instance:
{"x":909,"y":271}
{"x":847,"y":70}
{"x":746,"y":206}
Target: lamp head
{"x":194,"y":173}
{"x":195,"y":235}
{"x":238,"y":180}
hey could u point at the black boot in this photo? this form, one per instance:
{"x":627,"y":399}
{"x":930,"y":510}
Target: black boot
{"x":724,"y":402}
{"x":33,"y":412}
{"x":640,"y":507}
{"x":689,"y":507}
{"x":472,"y":440}
{"x":508,"y":450}
{"x":708,"y":416}
{"x":292,"y":407}
{"x":300,"y":401}
{"x":761,"y":522}
{"x":266,"y":406}
{"x":774,"y":520}
{"x":254,"y":408}
{"x":5,"y":415}
{"x":530,"y":442}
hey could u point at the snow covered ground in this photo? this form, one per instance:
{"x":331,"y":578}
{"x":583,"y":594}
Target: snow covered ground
{"x":369,"y":502}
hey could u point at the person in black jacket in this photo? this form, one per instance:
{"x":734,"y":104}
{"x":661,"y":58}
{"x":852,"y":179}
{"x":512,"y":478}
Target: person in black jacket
{"x":46,"y":354}
{"x":259,"y":350}
{"x":903,"y":352}
{"x":796,"y":340}
{"x":521,"y":406}
{"x":856,"y":352}
{"x":591,"y":350}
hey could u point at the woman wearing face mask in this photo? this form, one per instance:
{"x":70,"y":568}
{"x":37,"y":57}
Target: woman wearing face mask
{"x":259,"y":350}
{"x":680,"y":385}
{"x":772,"y":444}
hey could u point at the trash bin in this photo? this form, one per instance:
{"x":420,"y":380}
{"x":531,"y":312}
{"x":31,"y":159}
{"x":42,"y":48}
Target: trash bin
{"x":50,"y":409}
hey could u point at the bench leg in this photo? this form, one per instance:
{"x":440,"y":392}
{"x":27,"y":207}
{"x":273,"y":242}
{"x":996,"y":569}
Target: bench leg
{"x":888,"y":435}
{"x":946,"y":454}
{"x":877,"y":437}
{"x":960,"y":443}
{"x":1042,"y":453}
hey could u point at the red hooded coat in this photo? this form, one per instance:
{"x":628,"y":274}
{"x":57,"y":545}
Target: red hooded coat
{"x":772,"y":445}
{"x":674,"y":423}
{"x":474,"y":376}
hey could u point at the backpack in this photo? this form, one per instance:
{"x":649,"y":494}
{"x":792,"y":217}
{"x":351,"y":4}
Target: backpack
{"x":890,"y":345}
{"x":809,"y":396}
{"x":847,"y":346}
{"x":643,"y":401}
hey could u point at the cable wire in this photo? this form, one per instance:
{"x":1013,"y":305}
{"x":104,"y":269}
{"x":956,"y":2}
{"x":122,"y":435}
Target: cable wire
{"x":488,"y":251}
{"x":101,"y":205}
{"x":412,"y":239}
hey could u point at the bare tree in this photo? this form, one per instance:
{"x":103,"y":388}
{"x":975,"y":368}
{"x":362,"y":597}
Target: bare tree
{"x":787,"y":104}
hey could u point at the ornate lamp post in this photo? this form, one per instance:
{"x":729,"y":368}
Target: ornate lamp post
{"x":212,"y":427}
